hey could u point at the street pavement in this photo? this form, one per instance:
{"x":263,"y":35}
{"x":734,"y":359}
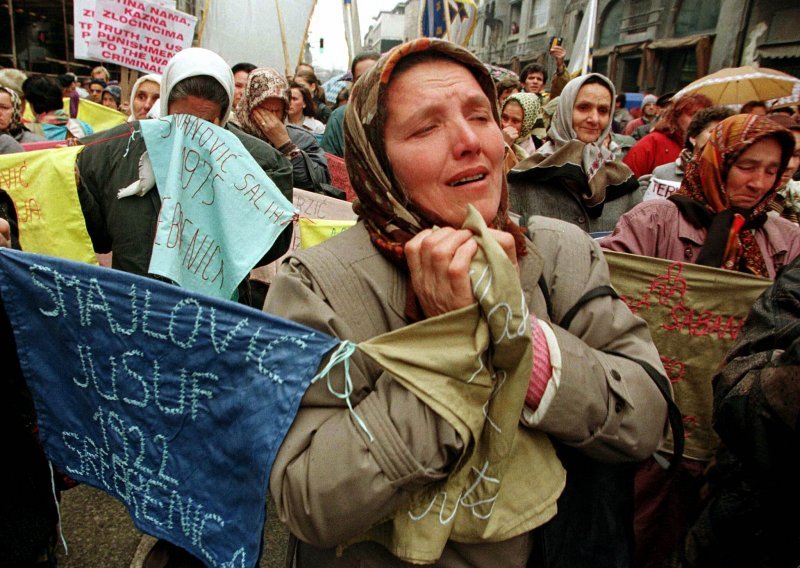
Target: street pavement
{"x":100,"y":534}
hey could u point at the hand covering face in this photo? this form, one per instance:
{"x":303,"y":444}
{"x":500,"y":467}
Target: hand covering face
{"x":389,"y":216}
{"x":704,"y":201}
{"x":532,"y":113}
{"x":262,"y":84}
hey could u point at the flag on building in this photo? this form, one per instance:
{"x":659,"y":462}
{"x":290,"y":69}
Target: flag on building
{"x":453,"y":20}
{"x":580,"y":61}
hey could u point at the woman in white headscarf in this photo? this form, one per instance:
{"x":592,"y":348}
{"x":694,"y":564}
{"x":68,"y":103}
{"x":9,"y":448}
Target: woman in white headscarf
{"x":144,"y":96}
{"x":576,"y":176}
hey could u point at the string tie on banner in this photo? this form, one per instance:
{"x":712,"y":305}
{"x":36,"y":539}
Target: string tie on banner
{"x":342,"y":356}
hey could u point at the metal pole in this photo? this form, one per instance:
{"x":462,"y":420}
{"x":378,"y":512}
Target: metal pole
{"x":13,"y":34}
{"x":66,"y":31}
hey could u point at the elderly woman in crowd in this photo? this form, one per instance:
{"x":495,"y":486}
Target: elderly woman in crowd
{"x":144,"y":95}
{"x":667,"y":178}
{"x":520,"y":114}
{"x":576,"y":176}
{"x":354,"y":475}
{"x":11,"y":118}
{"x":665,"y":142}
{"x":717,"y":218}
{"x":261,"y":113}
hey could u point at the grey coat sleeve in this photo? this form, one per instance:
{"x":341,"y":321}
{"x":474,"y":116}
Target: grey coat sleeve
{"x":605,"y":403}
{"x":310,"y":169}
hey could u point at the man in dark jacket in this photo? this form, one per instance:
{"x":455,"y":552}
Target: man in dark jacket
{"x":197,"y":82}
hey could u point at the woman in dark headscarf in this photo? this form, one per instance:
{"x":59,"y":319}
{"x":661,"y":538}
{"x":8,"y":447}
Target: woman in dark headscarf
{"x":378,"y":469}
{"x":11,"y":118}
{"x":576,"y":175}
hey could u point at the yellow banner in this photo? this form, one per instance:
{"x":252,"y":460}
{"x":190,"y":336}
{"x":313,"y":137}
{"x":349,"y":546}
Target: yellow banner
{"x":695,"y":314}
{"x":99,"y":117}
{"x":43,"y":188}
{"x":315,"y":231}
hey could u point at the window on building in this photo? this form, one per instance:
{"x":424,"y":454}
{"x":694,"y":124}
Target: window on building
{"x":679,"y":67}
{"x":516,"y":10}
{"x":609,"y":32}
{"x":540,"y":12}
{"x":638,"y":16}
{"x":696,"y":17}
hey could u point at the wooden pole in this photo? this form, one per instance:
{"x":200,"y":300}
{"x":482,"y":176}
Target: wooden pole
{"x":286,"y":60}
{"x":13,"y":34}
{"x":199,"y":35}
{"x":66,"y":31}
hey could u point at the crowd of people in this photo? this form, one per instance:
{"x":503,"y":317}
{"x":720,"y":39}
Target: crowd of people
{"x":456,"y":172}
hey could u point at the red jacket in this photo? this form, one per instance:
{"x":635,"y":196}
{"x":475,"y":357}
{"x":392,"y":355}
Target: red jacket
{"x":651,"y":151}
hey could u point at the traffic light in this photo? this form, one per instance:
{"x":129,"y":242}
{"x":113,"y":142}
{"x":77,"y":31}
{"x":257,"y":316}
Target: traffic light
{"x":321,"y":44}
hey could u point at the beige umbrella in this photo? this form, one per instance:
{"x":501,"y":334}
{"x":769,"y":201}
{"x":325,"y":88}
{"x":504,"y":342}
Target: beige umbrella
{"x":738,"y":85}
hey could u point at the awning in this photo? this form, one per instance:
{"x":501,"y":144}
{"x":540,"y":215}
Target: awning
{"x":779,"y":51}
{"x":677,"y":42}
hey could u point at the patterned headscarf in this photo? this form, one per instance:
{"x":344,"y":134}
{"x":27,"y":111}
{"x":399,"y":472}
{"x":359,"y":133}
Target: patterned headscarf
{"x":16,"y":113}
{"x":262,"y":84}
{"x":390,"y":217}
{"x":591,"y":168}
{"x":531,"y":113}
{"x":703,"y":198}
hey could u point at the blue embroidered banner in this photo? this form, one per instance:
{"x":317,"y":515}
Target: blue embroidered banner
{"x":174,"y":402}
{"x":220,"y":213}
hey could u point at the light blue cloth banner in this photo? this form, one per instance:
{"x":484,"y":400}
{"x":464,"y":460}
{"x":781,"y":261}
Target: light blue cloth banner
{"x":220,"y":213}
{"x":173,"y":402}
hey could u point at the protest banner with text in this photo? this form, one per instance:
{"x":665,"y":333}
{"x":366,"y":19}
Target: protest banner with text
{"x":220,"y":213}
{"x":45,"y":194}
{"x":139,"y":34}
{"x":173,"y":402}
{"x":694,"y":314}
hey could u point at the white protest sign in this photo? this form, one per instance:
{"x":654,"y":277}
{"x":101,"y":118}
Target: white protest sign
{"x":140,"y":34}
{"x":83,"y":20}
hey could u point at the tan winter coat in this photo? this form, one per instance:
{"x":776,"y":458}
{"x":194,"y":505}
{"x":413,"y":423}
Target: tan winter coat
{"x":330,"y":483}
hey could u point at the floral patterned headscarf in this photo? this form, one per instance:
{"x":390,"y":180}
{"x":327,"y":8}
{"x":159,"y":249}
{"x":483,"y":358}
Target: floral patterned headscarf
{"x":262,"y":84}
{"x":703,"y":198}
{"x":16,"y":112}
{"x":390,"y":217}
{"x":531,"y":112}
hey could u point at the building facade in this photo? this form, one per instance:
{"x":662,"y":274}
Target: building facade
{"x":645,"y":45}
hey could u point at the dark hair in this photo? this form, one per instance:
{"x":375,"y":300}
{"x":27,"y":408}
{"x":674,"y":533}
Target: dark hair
{"x":309,"y":76}
{"x":343,"y":96}
{"x":691,"y":103}
{"x":533,"y":68}
{"x":42,"y":94}
{"x":98,"y":82}
{"x":203,"y":87}
{"x":363,"y":56}
{"x":702,"y":118}
{"x":748,"y":107}
{"x":787,"y":110}
{"x":622,"y":99}
{"x":507,"y":83}
{"x":311,"y":107}
{"x":246,"y":67}
{"x":66,"y":79}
